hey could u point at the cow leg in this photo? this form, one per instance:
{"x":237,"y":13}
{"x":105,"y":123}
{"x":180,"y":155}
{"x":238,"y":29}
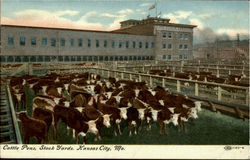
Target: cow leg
{"x":84,"y":140}
{"x":185,"y":127}
{"x":119,"y":128}
{"x":74,"y":133}
{"x":135,"y":127}
{"x":161,"y":125}
{"x":130,"y":128}
{"x":68,"y":130}
{"x":140,"y":127}
{"x":115,"y":128}
{"x":165,"y":129}
{"x":179,"y":126}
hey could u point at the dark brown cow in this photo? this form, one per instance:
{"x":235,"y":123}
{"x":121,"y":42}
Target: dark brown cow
{"x":32,"y":127}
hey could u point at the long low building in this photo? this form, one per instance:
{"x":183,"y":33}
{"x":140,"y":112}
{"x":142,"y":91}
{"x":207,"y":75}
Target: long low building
{"x":147,"y":39}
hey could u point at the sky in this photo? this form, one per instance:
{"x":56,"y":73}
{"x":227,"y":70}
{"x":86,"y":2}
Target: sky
{"x":213,"y":18}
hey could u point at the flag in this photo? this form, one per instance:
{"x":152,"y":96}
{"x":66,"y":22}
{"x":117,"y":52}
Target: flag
{"x":152,"y":7}
{"x":159,"y":15}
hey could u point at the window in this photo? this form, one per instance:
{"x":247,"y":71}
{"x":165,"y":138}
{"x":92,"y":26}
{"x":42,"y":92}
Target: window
{"x":33,"y":41}
{"x":97,"y":43}
{"x":72,"y":42}
{"x":186,"y":36}
{"x":180,"y":46}
{"x":79,"y":42}
{"x":163,"y":56}
{"x":164,"y":45}
{"x":120,"y":44}
{"x":10,"y":41}
{"x":44,"y":41}
{"x":152,"y":45}
{"x":25,"y":59}
{"x":185,"y":56}
{"x":10,"y":59}
{"x":18,"y":59}
{"x":180,"y":35}
{"x":40,"y":59}
{"x":180,"y":56}
{"x":101,"y":58}
{"x":169,"y":46}
{"x":146,"y":46}
{"x":22,"y":41}
{"x":169,"y":56}
{"x":185,"y":46}
{"x":169,"y":35}
{"x":127,"y":44}
{"x":53,"y":43}
{"x":62,"y":42}
{"x":106,"y":58}
{"x":32,"y":59}
{"x":60,"y":58}
{"x":2,"y":59}
{"x":89,"y":42}
{"x":111,"y":58}
{"x":113,"y":44}
{"x":47,"y":59}
{"x":105,"y":43}
{"x":140,"y":44}
{"x":164,"y":35}
{"x":134,"y":44}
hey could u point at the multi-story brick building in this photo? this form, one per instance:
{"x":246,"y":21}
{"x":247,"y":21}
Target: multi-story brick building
{"x":147,"y":39}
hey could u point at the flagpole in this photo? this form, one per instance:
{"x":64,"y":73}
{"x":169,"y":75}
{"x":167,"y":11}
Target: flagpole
{"x":155,"y":9}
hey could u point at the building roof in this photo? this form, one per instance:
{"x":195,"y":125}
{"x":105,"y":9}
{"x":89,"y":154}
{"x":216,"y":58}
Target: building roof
{"x":68,"y":29}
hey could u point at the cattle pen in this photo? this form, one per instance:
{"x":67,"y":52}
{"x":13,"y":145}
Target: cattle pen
{"x":229,"y":103}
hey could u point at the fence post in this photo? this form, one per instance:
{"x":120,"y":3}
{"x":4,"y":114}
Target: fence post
{"x":247,"y":96}
{"x":163,"y":83}
{"x":30,"y":70}
{"x":178,"y":85}
{"x":122,"y":75}
{"x":219,"y":93}
{"x":130,"y":76}
{"x":198,"y":69}
{"x":196,"y":89}
{"x":150,"y":81}
{"x":102,"y":72}
{"x":139,"y":78}
{"x":108,"y":74}
{"x":217,"y":71}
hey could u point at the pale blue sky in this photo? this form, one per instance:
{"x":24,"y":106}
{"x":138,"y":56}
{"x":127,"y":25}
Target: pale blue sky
{"x":223,"y":17}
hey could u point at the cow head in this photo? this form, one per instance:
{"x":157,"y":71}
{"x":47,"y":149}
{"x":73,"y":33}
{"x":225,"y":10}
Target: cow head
{"x":141,"y":113}
{"x":106,"y":120}
{"x":92,"y":126}
{"x":123,"y":112}
{"x":193,"y":113}
{"x":174,"y":118}
{"x":154,"y":114}
{"x":198,"y":105}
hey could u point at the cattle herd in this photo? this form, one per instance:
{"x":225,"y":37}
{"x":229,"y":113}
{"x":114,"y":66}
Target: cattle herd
{"x":203,"y":76}
{"x":86,"y":104}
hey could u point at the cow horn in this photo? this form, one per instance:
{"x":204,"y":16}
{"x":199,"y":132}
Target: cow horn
{"x":110,"y":115}
{"x":96,"y":119}
{"x":21,"y":112}
{"x":100,"y":112}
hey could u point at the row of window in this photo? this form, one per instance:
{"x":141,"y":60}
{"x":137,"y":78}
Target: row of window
{"x":44,"y":42}
{"x":170,"y":46}
{"x":180,"y":35}
{"x":169,"y":57}
{"x":72,"y":58}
